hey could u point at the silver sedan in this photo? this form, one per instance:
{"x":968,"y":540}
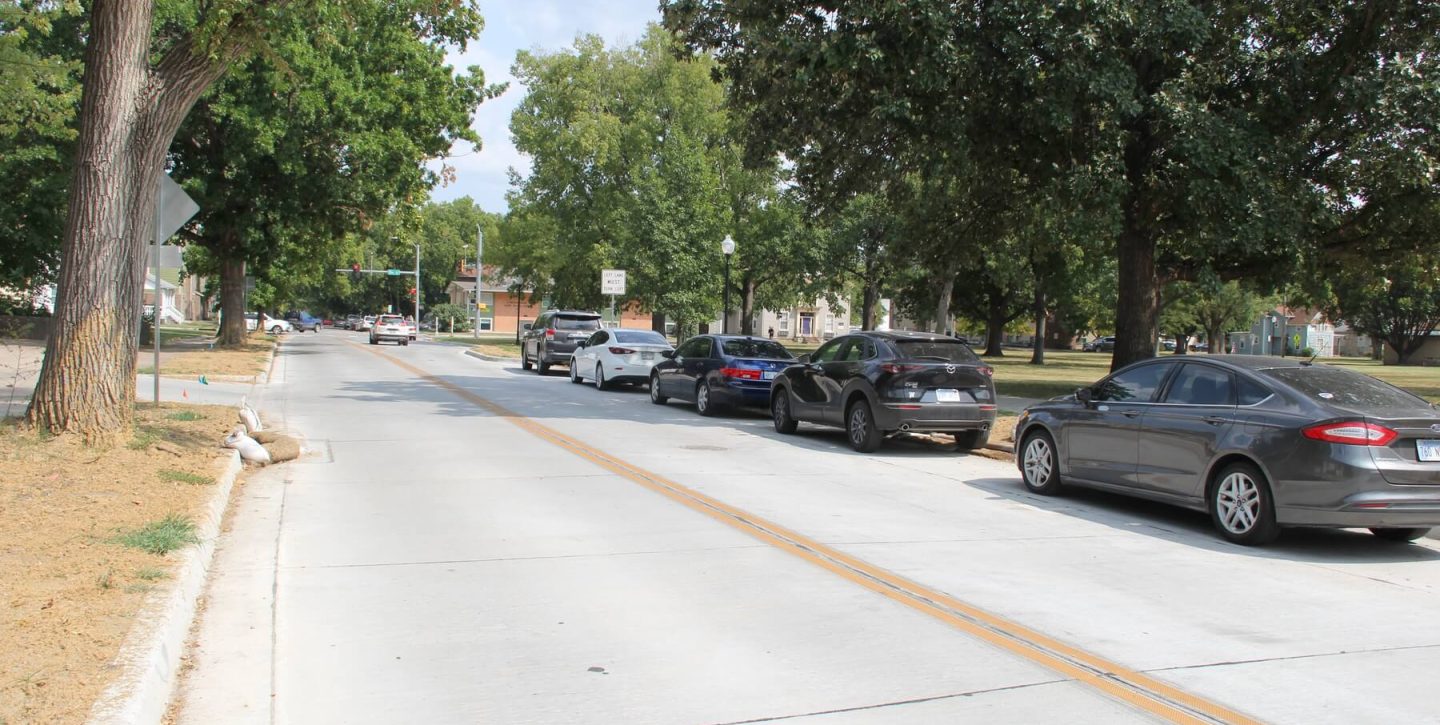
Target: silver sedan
{"x":1259,"y":443}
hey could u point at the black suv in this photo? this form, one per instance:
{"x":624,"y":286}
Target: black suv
{"x":876,"y":383}
{"x":554,"y":336}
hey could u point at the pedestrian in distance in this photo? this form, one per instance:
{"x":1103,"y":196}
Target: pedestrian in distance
{"x":772,"y":333}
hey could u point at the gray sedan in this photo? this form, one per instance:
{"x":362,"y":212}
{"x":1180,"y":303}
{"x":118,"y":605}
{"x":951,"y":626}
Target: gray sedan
{"x":1259,"y":443}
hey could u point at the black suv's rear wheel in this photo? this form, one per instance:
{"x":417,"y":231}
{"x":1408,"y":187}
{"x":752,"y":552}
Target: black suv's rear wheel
{"x":780,"y":411}
{"x":860,"y":428}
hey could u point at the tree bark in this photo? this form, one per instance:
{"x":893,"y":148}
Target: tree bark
{"x":942,"y":306}
{"x":747,"y":305}
{"x":1182,"y":344}
{"x":871,"y":296}
{"x":1215,"y":341}
{"x":1037,"y":354}
{"x":232,"y":302}
{"x":995,"y":330}
{"x":129,"y":112}
{"x":1137,"y":309}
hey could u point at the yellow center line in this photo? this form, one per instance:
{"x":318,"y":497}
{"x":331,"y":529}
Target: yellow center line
{"x":1126,"y":685}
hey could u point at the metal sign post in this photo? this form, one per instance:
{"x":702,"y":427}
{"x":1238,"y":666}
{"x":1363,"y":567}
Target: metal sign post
{"x":612,"y":282}
{"x":173,"y":207}
{"x":480,"y":277}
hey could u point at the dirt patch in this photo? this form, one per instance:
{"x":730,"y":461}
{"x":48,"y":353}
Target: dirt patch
{"x":246,"y":361}
{"x":1004,"y":429}
{"x":71,"y":590}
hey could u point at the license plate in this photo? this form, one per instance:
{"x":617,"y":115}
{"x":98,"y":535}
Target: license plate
{"x":947,"y":395}
{"x":767,"y":375}
{"x":1428,"y":450}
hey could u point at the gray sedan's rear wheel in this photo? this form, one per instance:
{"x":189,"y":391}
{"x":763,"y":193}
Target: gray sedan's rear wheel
{"x":1241,"y":505}
{"x":1400,"y":534}
{"x":1039,"y":463}
{"x":655,"y":396}
{"x":780,"y":411}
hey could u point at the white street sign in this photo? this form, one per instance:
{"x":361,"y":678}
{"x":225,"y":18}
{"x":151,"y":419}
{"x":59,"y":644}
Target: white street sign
{"x":612,"y":281}
{"x":176,"y":208}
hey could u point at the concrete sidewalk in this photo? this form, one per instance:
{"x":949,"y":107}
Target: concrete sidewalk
{"x":20,"y":367}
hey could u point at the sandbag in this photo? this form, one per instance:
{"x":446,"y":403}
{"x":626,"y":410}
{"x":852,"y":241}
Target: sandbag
{"x":250,"y":450}
{"x":264,"y":437}
{"x":249,"y":417}
{"x":283,"y":448}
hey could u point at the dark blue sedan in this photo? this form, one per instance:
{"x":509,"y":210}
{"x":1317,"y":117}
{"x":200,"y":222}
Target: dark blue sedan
{"x":719,"y":371}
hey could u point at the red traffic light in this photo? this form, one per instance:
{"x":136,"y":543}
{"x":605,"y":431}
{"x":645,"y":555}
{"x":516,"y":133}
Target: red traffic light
{"x":412,"y":290}
{"x":355,"y":268}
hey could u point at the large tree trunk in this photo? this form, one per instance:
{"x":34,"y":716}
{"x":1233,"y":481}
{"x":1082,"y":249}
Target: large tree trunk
{"x":995,"y":329}
{"x":129,"y":112}
{"x":871,"y":296}
{"x":1215,"y":341}
{"x":232,"y":302}
{"x":942,"y":305}
{"x":747,"y":306}
{"x":1182,"y":344}
{"x":1037,"y":354}
{"x":1137,"y":308}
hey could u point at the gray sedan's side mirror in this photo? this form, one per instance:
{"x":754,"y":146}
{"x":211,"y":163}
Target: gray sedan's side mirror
{"x":1084,"y":395}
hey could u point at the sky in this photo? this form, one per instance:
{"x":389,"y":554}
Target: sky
{"x":510,"y":26}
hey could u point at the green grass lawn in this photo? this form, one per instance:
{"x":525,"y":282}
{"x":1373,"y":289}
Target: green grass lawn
{"x":1065,"y":370}
{"x":187,"y":331}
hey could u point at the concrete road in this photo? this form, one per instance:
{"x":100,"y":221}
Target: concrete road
{"x":474,"y":543}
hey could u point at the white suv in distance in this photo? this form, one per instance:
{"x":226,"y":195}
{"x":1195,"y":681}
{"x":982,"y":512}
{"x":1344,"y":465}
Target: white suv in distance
{"x":390,"y":327}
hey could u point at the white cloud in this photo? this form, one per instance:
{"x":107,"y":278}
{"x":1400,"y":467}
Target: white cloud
{"x":512,"y":25}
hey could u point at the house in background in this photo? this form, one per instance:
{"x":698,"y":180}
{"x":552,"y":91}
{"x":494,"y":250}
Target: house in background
{"x":169,"y":310}
{"x":501,"y":310}
{"x":799,"y":323}
{"x":1286,"y":331}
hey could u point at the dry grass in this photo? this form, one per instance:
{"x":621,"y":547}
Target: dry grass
{"x":245,"y":361}
{"x":71,"y":590}
{"x":498,"y":349}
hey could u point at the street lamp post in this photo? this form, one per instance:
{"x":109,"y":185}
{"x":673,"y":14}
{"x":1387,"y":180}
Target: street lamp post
{"x":728,"y":248}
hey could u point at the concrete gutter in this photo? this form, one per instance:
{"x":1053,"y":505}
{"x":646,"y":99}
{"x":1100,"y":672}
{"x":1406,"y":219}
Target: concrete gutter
{"x":149,"y":659}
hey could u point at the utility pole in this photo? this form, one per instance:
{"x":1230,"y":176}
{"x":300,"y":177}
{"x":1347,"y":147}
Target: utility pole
{"x":417,"y":290}
{"x":480,"y":276}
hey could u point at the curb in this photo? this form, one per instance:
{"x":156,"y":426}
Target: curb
{"x":149,"y":658}
{"x":490,"y":358}
{"x":264,"y":376}
{"x":1002,"y":447}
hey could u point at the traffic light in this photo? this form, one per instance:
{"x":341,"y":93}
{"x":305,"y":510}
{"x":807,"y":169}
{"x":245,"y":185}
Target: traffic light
{"x":355,"y":272}
{"x":412,"y":291}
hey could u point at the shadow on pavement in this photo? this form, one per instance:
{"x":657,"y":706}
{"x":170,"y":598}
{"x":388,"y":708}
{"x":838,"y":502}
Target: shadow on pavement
{"x":1192,"y":528}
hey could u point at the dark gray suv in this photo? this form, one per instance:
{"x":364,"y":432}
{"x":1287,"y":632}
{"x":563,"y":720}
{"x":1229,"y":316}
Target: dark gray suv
{"x":554,"y":336}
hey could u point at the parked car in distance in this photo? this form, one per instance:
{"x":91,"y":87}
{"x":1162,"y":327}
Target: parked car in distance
{"x":874,"y":384}
{"x":389,"y":327}
{"x":553,"y":336}
{"x":411,"y":328}
{"x":719,"y":371}
{"x":352,"y":322}
{"x":1101,"y":344}
{"x":304,"y":322}
{"x":617,"y":356}
{"x":267,"y":323}
{"x":1260,"y":443}
{"x":366,"y":323}
{"x":1167,"y":344}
